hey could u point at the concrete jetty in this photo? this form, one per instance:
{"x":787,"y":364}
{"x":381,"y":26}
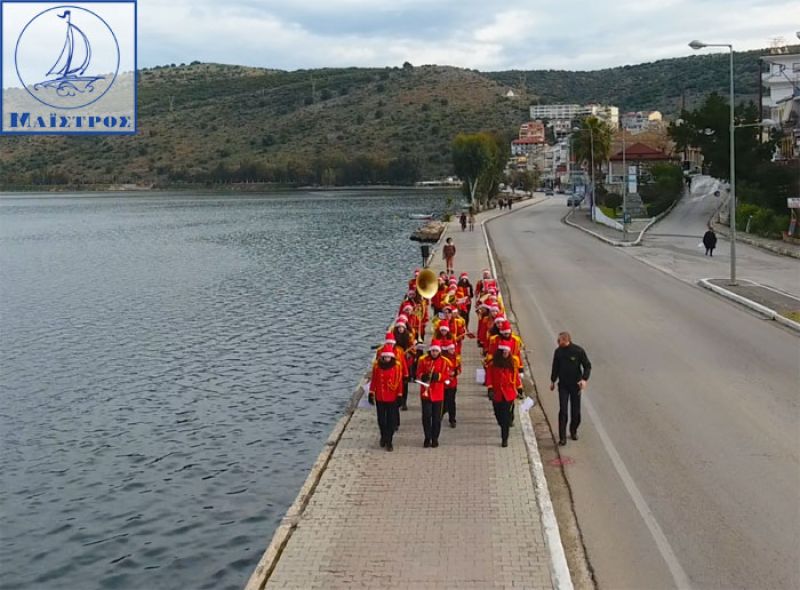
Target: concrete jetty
{"x":468,"y":514}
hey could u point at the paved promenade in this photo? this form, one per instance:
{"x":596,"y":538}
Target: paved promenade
{"x":464,"y":515}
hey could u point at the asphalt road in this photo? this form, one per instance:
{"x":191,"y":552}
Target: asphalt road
{"x":673,"y":246}
{"x":687,"y":471}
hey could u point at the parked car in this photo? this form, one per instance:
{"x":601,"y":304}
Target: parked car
{"x":574,"y":200}
{"x":549,"y":192}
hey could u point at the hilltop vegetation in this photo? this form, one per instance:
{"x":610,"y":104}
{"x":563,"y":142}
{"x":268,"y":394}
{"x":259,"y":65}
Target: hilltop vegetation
{"x":659,"y":85}
{"x":210,"y":123}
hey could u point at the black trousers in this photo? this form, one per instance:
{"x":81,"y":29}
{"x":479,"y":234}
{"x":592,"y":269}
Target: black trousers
{"x":387,"y":419}
{"x":402,"y":401}
{"x":569,"y":397}
{"x":450,"y":404}
{"x":431,"y":419}
{"x":502,"y":412}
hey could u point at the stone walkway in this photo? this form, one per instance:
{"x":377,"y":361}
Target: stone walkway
{"x":461,"y":516}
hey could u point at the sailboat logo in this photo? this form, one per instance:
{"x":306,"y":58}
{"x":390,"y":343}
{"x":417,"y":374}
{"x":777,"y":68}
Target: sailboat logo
{"x":69,"y":71}
{"x":83,"y":62}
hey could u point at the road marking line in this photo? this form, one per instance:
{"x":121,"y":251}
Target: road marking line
{"x":676,"y":570}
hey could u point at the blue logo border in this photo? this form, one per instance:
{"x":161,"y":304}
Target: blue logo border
{"x":135,"y":129}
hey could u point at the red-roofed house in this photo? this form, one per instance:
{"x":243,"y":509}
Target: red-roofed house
{"x":639,"y":155}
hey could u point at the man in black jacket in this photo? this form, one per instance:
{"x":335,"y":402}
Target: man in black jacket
{"x":571,"y":368}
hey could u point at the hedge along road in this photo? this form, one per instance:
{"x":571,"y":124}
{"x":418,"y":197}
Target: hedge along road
{"x":687,"y":470}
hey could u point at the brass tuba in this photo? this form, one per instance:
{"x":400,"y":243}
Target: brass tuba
{"x":427,"y":283}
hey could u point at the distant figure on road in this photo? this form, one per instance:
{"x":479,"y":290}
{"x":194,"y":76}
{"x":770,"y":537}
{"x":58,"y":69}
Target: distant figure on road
{"x":449,"y":253}
{"x":571,"y":368}
{"x":471,"y":220}
{"x":463,"y":220}
{"x":710,"y":241}
{"x":509,"y":204}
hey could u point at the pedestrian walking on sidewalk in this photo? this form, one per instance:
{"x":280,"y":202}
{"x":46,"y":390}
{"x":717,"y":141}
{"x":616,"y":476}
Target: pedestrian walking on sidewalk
{"x":503,"y":380}
{"x":710,"y":241}
{"x":471,"y":220}
{"x":432,"y":370}
{"x":449,"y":253}
{"x":451,"y":384}
{"x":571,"y":369}
{"x":385,"y":387}
{"x":463,"y":221}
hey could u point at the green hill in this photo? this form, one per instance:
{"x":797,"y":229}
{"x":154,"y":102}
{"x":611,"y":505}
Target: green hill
{"x":205,"y":123}
{"x":659,"y":85}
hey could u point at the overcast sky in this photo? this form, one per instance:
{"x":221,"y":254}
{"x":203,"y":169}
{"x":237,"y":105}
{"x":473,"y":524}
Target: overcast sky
{"x":480,"y":34}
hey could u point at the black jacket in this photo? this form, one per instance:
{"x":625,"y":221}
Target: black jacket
{"x":710,"y":239}
{"x":570,"y":365}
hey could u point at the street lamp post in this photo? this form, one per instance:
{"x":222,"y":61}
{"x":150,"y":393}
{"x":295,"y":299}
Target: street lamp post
{"x":732,"y":202}
{"x":624,"y":191}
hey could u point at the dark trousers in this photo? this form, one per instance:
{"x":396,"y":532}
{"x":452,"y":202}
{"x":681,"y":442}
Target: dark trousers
{"x":450,"y":404}
{"x":502,"y":412}
{"x":387,"y":419}
{"x":402,"y":401}
{"x":568,"y":395}
{"x":431,"y":419}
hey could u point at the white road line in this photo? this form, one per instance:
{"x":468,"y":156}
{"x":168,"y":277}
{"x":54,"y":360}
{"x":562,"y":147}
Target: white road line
{"x":678,"y":574}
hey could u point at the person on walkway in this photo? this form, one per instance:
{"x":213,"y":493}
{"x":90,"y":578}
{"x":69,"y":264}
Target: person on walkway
{"x":451,"y":384}
{"x":449,"y":253}
{"x":710,"y":241}
{"x":571,"y":368}
{"x":432,"y":370}
{"x":471,"y":220}
{"x":463,"y":221}
{"x":385,"y":387}
{"x":509,"y":204}
{"x":405,"y":341}
{"x":503,"y":381}
{"x":464,"y":297}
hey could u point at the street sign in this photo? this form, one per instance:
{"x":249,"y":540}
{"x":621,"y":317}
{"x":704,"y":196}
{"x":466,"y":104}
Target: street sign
{"x":626,"y":218}
{"x":793,"y":203}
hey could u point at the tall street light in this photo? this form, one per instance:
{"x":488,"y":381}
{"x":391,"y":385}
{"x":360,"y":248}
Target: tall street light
{"x":700,"y":45}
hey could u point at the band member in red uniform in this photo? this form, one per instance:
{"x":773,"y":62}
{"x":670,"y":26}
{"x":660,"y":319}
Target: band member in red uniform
{"x":405,"y":341}
{"x":502,"y":379}
{"x":385,"y":387}
{"x":433,"y":369}
{"x":451,"y":384}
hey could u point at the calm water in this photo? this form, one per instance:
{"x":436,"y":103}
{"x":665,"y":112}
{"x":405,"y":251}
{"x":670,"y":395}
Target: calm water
{"x":170,"y":368}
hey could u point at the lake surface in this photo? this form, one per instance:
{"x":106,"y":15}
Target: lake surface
{"x":170,"y":366}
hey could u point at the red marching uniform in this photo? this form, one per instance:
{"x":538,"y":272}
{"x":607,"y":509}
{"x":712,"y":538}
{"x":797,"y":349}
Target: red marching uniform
{"x":503,"y":380}
{"x":440,"y":368}
{"x":434,"y":370}
{"x":385,"y":388}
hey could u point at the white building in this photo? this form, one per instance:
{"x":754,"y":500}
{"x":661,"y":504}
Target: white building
{"x":781,"y":100}
{"x":641,"y":121}
{"x":561,"y":116}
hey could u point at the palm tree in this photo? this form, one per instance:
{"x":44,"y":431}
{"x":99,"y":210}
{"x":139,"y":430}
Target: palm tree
{"x":592,"y":142}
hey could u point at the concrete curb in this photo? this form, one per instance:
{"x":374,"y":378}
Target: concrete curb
{"x":617,"y":243}
{"x":559,"y":570}
{"x":757,"y":307}
{"x":283,"y":533}
{"x":601,"y":237}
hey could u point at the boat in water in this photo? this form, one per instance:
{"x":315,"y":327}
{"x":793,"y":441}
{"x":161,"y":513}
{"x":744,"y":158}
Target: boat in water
{"x":421,"y":216}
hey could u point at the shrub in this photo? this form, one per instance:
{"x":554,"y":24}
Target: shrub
{"x":613,"y":200}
